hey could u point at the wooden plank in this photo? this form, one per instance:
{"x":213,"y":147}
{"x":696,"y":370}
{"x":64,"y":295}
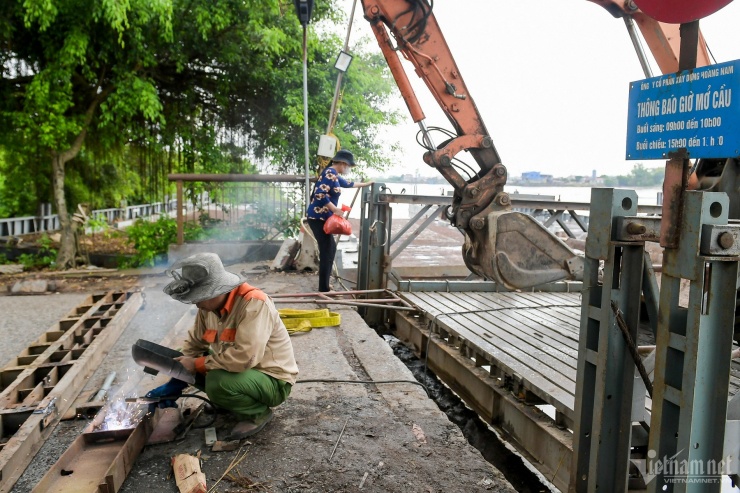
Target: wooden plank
{"x":29,"y":438}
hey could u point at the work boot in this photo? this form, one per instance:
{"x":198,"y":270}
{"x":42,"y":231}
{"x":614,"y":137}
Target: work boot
{"x":250,"y":427}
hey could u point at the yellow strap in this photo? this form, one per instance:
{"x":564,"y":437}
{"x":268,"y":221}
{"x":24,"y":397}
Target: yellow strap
{"x":305,"y":320}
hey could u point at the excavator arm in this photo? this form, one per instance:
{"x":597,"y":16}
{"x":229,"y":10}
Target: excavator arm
{"x":509,"y":247}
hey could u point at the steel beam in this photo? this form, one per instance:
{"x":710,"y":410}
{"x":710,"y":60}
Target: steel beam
{"x":96,"y":462}
{"x":374,"y":247}
{"x":484,"y":286}
{"x":40,"y":392}
{"x":692,"y":362}
{"x":530,"y":431}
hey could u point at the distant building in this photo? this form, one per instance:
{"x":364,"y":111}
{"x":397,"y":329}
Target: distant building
{"x":536,"y":177}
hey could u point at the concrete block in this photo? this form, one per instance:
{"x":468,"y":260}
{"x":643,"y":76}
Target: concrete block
{"x":31,"y":286}
{"x":308,"y":257}
{"x":285,"y":256}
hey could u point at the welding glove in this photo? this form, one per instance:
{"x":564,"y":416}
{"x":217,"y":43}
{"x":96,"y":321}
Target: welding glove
{"x":172,"y":388}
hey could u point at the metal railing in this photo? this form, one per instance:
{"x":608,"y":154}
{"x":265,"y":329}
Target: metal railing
{"x":239,"y":207}
{"x":132,"y":212}
{"x":381,"y":246}
{"x":45,"y":221}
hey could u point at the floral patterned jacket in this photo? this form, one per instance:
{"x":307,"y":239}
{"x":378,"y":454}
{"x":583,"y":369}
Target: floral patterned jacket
{"x":328,"y":188}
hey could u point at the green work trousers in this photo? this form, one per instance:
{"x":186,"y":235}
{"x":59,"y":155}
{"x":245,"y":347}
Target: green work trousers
{"x":249,"y":394}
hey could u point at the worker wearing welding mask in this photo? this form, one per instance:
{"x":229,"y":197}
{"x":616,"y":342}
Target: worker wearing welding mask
{"x":239,"y":350}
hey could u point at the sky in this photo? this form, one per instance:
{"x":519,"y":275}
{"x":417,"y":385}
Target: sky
{"x":550,"y":79}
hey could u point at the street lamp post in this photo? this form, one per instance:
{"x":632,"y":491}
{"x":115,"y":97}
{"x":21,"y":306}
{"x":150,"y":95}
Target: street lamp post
{"x":303,"y":10}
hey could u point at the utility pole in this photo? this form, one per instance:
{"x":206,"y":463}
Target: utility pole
{"x":303,"y":10}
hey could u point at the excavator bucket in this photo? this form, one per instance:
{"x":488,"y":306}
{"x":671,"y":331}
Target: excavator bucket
{"x":515,"y":250}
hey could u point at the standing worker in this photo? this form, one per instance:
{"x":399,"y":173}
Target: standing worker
{"x":323,"y":204}
{"x":239,"y":350}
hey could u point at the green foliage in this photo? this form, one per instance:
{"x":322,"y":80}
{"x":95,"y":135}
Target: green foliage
{"x":639,"y":176}
{"x":151,"y":239}
{"x":45,"y":257}
{"x":98,"y":225}
{"x":152,"y":87}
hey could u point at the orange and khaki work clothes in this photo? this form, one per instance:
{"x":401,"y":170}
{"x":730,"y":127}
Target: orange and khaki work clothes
{"x":247,"y":335}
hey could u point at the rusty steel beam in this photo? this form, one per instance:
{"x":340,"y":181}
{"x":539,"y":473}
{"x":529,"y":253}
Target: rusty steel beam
{"x":537,"y":437}
{"x":99,"y":461}
{"x":237,"y":178}
{"x":43,"y":381}
{"x":96,"y":462}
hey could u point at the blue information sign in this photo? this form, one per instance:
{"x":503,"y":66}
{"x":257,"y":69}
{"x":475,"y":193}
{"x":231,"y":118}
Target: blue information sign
{"x":698,"y":110}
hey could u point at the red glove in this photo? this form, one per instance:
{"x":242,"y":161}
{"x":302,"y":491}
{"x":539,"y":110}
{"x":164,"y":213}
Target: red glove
{"x":346,"y":208}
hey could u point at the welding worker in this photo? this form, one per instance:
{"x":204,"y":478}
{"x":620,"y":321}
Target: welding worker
{"x":239,"y":350}
{"x":323,"y":204}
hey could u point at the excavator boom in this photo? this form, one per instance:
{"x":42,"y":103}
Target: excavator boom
{"x":509,"y":247}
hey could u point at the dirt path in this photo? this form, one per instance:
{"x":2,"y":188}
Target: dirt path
{"x":395,"y":439}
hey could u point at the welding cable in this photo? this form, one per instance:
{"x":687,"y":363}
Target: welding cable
{"x":367,"y":382}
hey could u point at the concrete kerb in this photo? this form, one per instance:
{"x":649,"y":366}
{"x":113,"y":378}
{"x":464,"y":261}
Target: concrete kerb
{"x":378,"y":360}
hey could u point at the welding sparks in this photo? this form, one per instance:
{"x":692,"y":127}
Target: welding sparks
{"x":118,"y":414}
{"x":121,"y":415}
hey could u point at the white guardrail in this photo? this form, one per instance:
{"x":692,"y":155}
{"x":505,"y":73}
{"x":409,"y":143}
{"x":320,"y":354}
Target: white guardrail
{"x":46,"y":221}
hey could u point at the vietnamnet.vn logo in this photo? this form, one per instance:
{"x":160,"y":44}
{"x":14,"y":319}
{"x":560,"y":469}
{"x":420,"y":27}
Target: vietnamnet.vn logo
{"x":678,"y":469}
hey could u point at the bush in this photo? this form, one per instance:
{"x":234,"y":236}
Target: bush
{"x":152,"y":239}
{"x":45,"y":257}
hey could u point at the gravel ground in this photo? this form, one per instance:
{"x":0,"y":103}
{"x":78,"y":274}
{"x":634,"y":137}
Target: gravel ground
{"x":24,"y":318}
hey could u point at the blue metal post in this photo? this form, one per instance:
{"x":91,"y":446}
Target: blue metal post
{"x":604,"y":388}
{"x":375,"y":229}
{"x":692,"y":364}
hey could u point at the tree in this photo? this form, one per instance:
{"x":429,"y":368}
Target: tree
{"x":61,"y":61}
{"x":157,"y":86}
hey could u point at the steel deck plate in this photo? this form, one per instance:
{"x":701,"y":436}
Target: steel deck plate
{"x":532,"y":337}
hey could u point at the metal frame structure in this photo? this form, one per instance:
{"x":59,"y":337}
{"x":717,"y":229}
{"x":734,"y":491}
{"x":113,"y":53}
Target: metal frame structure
{"x":612,"y":446}
{"x":687,"y":422}
{"x":605,"y":371}
{"x":379,"y":246}
{"x":374,"y":247}
{"x":41,"y":383}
